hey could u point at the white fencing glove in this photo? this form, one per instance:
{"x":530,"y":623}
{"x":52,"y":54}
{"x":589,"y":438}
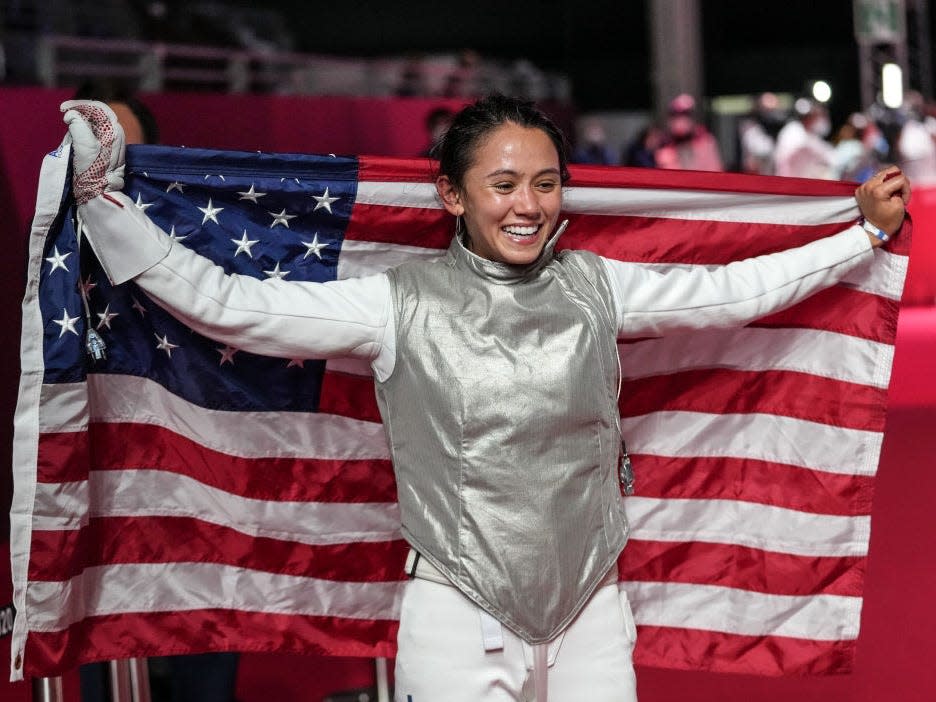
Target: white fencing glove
{"x":97,"y":148}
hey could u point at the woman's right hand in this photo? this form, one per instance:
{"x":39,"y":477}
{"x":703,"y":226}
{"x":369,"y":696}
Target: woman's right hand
{"x":97,"y":147}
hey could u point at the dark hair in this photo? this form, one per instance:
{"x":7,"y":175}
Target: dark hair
{"x":456,"y":149}
{"x":112,"y":92}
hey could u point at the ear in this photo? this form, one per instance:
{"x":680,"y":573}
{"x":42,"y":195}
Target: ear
{"x":451,"y":200}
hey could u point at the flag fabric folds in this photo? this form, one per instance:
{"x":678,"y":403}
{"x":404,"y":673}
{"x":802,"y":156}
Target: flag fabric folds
{"x":180,"y":495}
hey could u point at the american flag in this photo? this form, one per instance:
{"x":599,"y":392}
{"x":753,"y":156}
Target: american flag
{"x":185,"y":496}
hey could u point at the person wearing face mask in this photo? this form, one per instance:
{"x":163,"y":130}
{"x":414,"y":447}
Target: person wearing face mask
{"x":802,"y":149}
{"x":687,"y":144}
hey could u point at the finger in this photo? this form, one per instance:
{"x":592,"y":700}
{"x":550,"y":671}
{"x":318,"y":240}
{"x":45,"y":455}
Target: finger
{"x":78,"y":125}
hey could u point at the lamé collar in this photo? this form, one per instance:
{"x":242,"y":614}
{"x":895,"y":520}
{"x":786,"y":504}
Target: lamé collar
{"x":503,"y":273}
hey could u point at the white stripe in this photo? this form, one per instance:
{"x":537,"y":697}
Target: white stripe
{"x":180,"y":587}
{"x":55,"y":170}
{"x":885,"y":276}
{"x":764,"y":437}
{"x":733,"y":611}
{"x":124,"y":398}
{"x":652,"y":202}
{"x":155,"y":493}
{"x":759,"y":349}
{"x":361,"y":258}
{"x":711,"y":206}
{"x":748,"y":524}
{"x":398,"y":194}
{"x":60,"y":506}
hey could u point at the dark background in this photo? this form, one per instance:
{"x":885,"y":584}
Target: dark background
{"x":603,"y":45}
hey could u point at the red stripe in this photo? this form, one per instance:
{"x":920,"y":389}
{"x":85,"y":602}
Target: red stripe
{"x":659,"y":179}
{"x":663,"y":240}
{"x":741,"y":567}
{"x":785,"y":393}
{"x":349,"y":395}
{"x":387,"y":169}
{"x":60,"y":555}
{"x":869,"y":316}
{"x":63,"y":457}
{"x":168,"y":633}
{"x":130,"y":446}
{"x":749,"y":480}
{"x":409,"y":226}
{"x":694,"y":649}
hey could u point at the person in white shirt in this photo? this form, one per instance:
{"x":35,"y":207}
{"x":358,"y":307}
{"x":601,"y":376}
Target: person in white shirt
{"x":802,"y":150}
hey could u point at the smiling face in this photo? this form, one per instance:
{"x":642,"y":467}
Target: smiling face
{"x":511,"y":195}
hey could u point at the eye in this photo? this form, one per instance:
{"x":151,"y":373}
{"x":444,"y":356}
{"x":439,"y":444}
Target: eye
{"x":504,"y":187}
{"x":547,"y":185}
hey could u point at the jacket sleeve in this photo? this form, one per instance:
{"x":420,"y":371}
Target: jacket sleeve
{"x":653,"y":302}
{"x":270,"y":317}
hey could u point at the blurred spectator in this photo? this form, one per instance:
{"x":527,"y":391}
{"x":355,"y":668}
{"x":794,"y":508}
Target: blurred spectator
{"x":640,"y":151}
{"x":465,"y":79}
{"x":802,"y":150}
{"x":594,"y":148}
{"x":859,"y":149}
{"x":916,"y":150}
{"x":758,"y":135}
{"x":412,"y":79}
{"x":137,"y":121}
{"x":437,"y":123}
{"x":687,"y":144}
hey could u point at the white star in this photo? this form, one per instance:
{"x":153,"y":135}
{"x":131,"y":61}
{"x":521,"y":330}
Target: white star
{"x":164,"y":344}
{"x":58,"y":260}
{"x":210,"y":212}
{"x":176,"y":237}
{"x":175,"y":185}
{"x":66,"y":323}
{"x":227,"y":355}
{"x":138,"y":307}
{"x":276,"y":272}
{"x":140,"y":204}
{"x":295,"y":362}
{"x":251,"y":195}
{"x":106,"y":316}
{"x":86,"y":286}
{"x":324,"y":201}
{"x":244,"y":244}
{"x":314,"y":247}
{"x":281,"y":218}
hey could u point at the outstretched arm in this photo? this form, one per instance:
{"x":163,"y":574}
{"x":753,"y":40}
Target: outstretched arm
{"x":271,"y":317}
{"x":654,"y":303}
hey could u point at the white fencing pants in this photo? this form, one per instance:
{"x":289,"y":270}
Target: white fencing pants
{"x":442,"y":658}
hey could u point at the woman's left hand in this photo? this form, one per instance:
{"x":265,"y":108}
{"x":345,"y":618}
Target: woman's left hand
{"x":883,"y":199}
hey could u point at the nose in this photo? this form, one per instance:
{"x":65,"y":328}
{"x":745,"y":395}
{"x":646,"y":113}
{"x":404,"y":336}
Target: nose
{"x":526,"y":202}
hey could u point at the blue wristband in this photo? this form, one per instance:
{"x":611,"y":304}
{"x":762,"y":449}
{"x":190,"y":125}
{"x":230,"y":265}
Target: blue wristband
{"x":874,"y":231}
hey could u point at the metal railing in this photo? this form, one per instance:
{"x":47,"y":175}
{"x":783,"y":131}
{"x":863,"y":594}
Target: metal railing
{"x":157,"y":66}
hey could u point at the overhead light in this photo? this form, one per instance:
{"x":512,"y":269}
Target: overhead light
{"x":892,"y":85}
{"x":821,"y":91}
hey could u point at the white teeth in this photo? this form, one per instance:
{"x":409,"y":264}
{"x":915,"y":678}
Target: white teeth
{"x":521,"y":231}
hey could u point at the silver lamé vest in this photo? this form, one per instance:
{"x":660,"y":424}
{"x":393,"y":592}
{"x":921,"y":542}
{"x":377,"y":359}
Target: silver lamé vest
{"x":501,"y":414}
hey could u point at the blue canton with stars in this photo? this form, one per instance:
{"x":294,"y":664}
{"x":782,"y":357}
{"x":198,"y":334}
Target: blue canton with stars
{"x":263,"y":215}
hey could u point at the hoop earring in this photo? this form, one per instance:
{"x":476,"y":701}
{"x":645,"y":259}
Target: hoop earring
{"x":459,"y":227}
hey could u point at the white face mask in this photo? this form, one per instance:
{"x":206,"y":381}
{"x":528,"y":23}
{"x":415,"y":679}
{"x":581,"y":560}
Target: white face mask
{"x":821,"y":127}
